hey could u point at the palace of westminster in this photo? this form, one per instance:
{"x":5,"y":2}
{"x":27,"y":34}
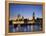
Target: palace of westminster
{"x":25,"y":25}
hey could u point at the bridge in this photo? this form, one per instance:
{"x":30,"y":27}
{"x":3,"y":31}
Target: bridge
{"x":22,"y":22}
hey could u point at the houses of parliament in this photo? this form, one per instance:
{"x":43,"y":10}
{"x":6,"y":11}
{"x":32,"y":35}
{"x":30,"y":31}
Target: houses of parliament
{"x":20,"y":24}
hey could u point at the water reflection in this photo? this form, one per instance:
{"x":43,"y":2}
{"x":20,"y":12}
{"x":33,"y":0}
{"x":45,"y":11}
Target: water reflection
{"x":25,"y":28}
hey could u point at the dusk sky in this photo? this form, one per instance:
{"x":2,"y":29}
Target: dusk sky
{"x":25,"y":10}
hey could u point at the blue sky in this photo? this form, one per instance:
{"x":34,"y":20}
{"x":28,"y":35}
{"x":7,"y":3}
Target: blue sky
{"x":25,"y":10}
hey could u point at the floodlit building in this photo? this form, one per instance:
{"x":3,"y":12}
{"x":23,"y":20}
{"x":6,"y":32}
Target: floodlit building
{"x":20,"y":19}
{"x":26,"y":25}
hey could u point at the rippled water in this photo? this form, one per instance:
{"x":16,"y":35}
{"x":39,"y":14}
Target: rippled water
{"x":25,"y":28}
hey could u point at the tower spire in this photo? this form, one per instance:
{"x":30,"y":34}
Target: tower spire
{"x":33,"y":15}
